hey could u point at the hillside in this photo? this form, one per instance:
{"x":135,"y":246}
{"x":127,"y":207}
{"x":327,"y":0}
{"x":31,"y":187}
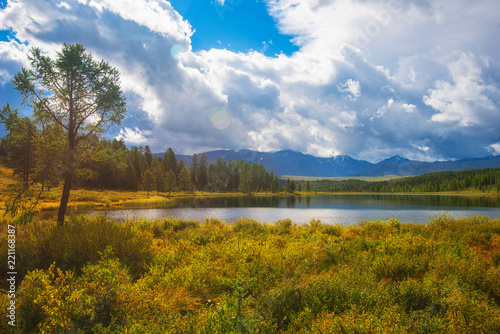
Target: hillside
{"x":298,"y":164}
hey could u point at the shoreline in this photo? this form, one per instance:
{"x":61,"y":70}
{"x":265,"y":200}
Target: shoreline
{"x":114,"y":199}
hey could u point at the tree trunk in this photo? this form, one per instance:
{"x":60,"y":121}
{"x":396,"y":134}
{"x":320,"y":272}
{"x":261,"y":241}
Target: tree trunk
{"x":68,"y":178}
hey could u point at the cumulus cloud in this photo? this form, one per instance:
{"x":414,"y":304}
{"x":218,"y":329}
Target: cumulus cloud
{"x":134,"y":136}
{"x":371,"y":79}
{"x":158,"y":16}
{"x":64,"y":5}
{"x":465,"y":100}
{"x":495,"y":148}
{"x":352,"y":87}
{"x":12,"y":54}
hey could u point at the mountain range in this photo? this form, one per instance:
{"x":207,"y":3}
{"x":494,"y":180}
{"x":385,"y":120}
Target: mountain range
{"x":295,"y":163}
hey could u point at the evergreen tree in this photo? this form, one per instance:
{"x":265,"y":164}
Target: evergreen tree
{"x":219,"y":177}
{"x":276,"y":184}
{"x":170,"y":160}
{"x":19,"y":142}
{"x":170,"y":181}
{"x":246,"y":178}
{"x":148,"y":156}
{"x":203,"y":171}
{"x":149,"y":180}
{"x":194,"y":170}
{"x":290,"y":186}
{"x":184,"y":181}
{"x":159,"y":172}
{"x":76,"y":93}
{"x":139,"y":164}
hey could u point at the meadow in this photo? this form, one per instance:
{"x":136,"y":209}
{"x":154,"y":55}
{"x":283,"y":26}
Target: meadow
{"x":176,"y":276}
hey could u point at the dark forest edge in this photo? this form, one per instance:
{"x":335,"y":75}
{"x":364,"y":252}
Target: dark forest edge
{"x":467,"y":181}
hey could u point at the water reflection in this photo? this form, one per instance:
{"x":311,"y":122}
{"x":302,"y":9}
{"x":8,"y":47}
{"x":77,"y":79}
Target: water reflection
{"x":341,"y":209}
{"x":358,"y":201}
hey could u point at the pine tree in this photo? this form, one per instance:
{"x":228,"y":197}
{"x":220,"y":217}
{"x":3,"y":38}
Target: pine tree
{"x":184,"y":181}
{"x":245,"y":178}
{"x":77,"y":94}
{"x":159,"y":172}
{"x":170,"y":181}
{"x":203,"y":172}
{"x":149,"y":180}
{"x":170,"y":160}
{"x":148,"y":156}
{"x":195,"y":170}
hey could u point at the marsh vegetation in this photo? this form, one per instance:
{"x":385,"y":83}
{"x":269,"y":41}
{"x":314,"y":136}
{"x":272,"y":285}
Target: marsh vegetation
{"x":184,"y":276}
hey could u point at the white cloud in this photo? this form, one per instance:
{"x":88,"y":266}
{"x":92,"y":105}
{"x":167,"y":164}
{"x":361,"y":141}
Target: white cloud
{"x":352,"y":87}
{"x":495,"y":148}
{"x":134,"y":136}
{"x":159,"y":16}
{"x":63,"y":4}
{"x":409,"y":108}
{"x":12,"y":54}
{"x":465,"y":100}
{"x":370,"y":79}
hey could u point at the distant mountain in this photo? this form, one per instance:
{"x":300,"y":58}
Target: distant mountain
{"x":395,"y":159}
{"x":295,"y":163}
{"x":291,"y":163}
{"x":420,"y":167}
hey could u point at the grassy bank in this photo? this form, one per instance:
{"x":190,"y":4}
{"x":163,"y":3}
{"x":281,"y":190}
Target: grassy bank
{"x":175,"y":276}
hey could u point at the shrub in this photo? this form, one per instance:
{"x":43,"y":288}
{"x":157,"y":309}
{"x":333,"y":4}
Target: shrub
{"x":283,"y":226}
{"x":248,"y":226}
{"x":50,"y":301}
{"x":80,"y":241}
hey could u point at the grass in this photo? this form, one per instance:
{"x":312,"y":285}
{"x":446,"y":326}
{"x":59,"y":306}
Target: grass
{"x":185,"y":276}
{"x":6,"y":180}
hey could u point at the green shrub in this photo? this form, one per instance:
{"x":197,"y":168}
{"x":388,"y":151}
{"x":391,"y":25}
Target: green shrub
{"x":283,"y":226}
{"x":248,"y":226}
{"x":178,"y":276}
{"x":80,"y":241}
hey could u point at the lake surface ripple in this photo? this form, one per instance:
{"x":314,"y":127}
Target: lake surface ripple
{"x":331,"y":209}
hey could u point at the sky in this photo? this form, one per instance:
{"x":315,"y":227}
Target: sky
{"x":365,"y":78}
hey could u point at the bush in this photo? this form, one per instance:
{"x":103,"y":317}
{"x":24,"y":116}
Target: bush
{"x":248,"y":226}
{"x":283,"y":226}
{"x":80,"y":241}
{"x":177,"y":276}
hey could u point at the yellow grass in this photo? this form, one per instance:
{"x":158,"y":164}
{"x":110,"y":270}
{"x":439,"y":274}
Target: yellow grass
{"x":6,"y":180}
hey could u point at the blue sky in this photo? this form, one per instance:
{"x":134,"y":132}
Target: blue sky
{"x":369,"y":79}
{"x":239,"y":26}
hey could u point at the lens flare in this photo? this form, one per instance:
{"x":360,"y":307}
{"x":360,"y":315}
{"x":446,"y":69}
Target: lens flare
{"x":219,"y":117}
{"x":177,"y":50}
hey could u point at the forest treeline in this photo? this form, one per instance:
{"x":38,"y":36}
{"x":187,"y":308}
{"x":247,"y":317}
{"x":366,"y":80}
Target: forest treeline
{"x":37,"y":156}
{"x":109,"y":164}
{"x":477,"y":179}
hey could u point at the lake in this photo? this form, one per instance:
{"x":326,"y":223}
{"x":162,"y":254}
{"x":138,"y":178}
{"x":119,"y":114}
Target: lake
{"x":332,"y":208}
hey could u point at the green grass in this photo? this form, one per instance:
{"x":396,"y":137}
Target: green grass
{"x":178,"y":276}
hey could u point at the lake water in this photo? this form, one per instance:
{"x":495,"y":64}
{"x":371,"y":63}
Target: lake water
{"x":332,"y":209}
